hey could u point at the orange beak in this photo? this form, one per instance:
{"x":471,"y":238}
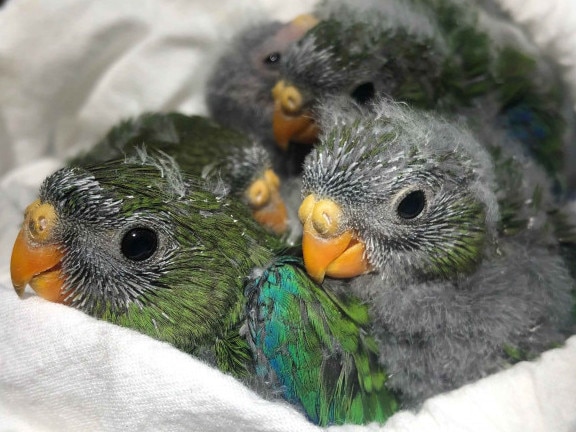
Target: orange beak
{"x":36,"y":260}
{"x":291,"y":122}
{"x":293,"y":31}
{"x":328,"y":249}
{"x":268,"y":207}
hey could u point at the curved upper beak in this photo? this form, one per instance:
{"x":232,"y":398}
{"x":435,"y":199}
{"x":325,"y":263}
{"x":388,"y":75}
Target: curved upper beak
{"x":328,"y":249}
{"x":268,"y":207}
{"x":292,"y":121}
{"x":36,"y":259}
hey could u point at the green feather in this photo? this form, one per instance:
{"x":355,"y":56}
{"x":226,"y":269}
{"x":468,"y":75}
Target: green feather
{"x":315,"y":347}
{"x":199,"y":145}
{"x":189,"y":293}
{"x":191,"y":290}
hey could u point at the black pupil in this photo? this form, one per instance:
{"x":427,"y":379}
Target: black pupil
{"x":412,"y":205}
{"x":272,"y":58}
{"x":139,"y":244}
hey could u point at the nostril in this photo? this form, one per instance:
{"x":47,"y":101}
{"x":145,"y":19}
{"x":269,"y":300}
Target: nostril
{"x":37,"y":225}
{"x":258,"y":194}
{"x":40,"y":221}
{"x":322,"y":224}
{"x":291,"y":100}
{"x":31,"y":226}
{"x":326,"y":218}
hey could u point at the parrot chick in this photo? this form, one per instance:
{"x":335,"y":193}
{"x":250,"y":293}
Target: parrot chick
{"x":140,"y":243}
{"x":200,"y":146}
{"x":446,"y":55}
{"x":133,"y":242}
{"x":238,"y":93}
{"x":454,"y":244}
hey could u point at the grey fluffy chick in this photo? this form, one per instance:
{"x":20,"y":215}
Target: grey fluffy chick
{"x":459,"y":247}
{"x":239,"y":92}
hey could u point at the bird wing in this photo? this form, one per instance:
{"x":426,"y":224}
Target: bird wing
{"x":311,"y":346}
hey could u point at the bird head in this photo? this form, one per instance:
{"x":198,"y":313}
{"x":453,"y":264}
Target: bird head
{"x":139,"y":243}
{"x":336,"y":57}
{"x":397,"y":192}
{"x":249,"y":173}
{"x":238,"y":93}
{"x":363,"y":51}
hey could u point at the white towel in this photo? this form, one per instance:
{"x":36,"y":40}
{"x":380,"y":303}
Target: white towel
{"x":69,"y":69}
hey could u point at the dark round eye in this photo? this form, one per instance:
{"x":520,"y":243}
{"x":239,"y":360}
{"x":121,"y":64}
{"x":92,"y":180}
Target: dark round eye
{"x":412,"y":205}
{"x":139,"y":244}
{"x":272,"y":58}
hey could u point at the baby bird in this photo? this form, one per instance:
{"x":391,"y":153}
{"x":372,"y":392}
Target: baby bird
{"x":142,"y":244}
{"x":239,"y":91}
{"x":445,"y":55}
{"x":459,"y":247}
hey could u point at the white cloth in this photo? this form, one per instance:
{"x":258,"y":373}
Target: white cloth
{"x":69,"y":69}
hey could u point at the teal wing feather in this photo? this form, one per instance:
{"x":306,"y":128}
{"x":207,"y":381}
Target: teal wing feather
{"x":314,"y":348}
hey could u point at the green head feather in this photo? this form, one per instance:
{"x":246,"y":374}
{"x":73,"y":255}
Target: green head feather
{"x":148,"y":247}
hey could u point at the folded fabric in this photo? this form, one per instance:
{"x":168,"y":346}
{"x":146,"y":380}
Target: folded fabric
{"x":71,"y":69}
